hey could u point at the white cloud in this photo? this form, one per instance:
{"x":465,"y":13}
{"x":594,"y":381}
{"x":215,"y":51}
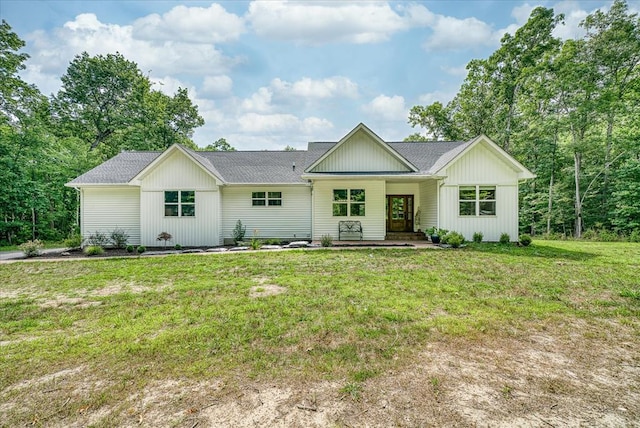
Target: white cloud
{"x":573,"y":16}
{"x":190,"y":24}
{"x":331,"y":87}
{"x":451,"y":33}
{"x":460,"y":71}
{"x":258,"y":102}
{"x":318,"y":23}
{"x":387,"y":108}
{"x":431,"y":97}
{"x":217,"y":86}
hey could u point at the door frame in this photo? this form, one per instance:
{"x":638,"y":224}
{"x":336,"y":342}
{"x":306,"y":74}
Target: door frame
{"x":408,"y":220}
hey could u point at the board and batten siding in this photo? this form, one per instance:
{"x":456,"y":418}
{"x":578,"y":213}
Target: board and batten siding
{"x":360,"y":154}
{"x":428,"y":191}
{"x":374,"y":221}
{"x":481,"y":167}
{"x":105,"y":209}
{"x":291,"y":220}
{"x":178,"y":172}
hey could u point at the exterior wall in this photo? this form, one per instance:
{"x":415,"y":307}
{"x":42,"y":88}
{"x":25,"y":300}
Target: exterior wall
{"x":481,"y":167}
{"x":291,"y":220}
{"x":374,"y":221}
{"x":360,"y":153}
{"x":104,"y":209}
{"x":406,"y":189}
{"x":428,"y":191}
{"x":177,"y":172}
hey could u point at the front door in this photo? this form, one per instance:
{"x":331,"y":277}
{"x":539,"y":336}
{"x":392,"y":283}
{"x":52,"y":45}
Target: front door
{"x":399,"y":213}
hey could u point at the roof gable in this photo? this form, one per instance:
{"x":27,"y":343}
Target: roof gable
{"x":361,"y":150}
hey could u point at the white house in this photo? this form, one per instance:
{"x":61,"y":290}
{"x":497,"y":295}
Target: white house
{"x":387,"y":186}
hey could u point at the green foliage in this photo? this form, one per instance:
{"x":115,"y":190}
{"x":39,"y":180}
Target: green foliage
{"x":255,"y":243}
{"x":477,"y":237}
{"x":525,"y":239}
{"x":219,"y":145}
{"x":97,"y":239}
{"x":453,"y":238}
{"x":119,"y":238}
{"x":31,"y":248}
{"x":130,"y":249}
{"x":164,"y":236}
{"x":178,"y":247}
{"x":73,"y":241}
{"x":352,"y":390}
{"x":326,"y":240}
{"x":238,"y":232}
{"x":634,"y":236}
{"x":141,"y":249}
{"x":272,"y":241}
{"x":505,"y":238}
{"x":93,"y":250}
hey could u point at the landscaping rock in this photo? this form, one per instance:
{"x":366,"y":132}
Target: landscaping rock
{"x":239,"y":249}
{"x":193,"y":250}
{"x":298,"y":244}
{"x":216,"y":250}
{"x":271,"y":247}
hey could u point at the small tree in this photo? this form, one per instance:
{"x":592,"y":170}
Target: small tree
{"x":238,"y":232}
{"x":164,"y":236}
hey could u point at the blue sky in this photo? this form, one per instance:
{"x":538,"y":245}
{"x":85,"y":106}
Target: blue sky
{"x":267,"y":74}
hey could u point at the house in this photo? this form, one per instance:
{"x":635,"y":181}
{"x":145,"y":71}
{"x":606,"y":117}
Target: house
{"x":388,"y":186}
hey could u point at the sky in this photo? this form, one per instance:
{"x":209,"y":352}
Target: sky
{"x":271,"y":74}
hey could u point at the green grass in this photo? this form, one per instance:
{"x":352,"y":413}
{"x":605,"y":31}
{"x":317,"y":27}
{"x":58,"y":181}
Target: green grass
{"x":346,"y":315}
{"x":49,"y":244}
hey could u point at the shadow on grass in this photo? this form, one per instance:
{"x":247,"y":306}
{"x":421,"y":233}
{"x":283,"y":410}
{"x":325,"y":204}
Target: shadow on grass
{"x":533,"y":250}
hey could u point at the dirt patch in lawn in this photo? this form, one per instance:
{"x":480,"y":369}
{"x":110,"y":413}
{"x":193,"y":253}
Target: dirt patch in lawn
{"x":573,"y":374}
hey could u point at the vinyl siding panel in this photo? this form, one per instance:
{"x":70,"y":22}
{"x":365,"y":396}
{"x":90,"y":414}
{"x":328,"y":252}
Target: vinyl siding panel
{"x":105,"y":209}
{"x":200,"y":230}
{"x":406,"y":189}
{"x":373,"y":223}
{"x":360,"y":154}
{"x":291,"y":220}
{"x":178,"y":172}
{"x":428,"y":204}
{"x":479,"y":166}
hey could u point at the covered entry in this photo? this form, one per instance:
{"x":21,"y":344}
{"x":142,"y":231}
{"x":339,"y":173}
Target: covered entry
{"x":399,"y":213}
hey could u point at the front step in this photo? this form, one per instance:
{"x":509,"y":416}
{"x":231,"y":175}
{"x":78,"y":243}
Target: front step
{"x":405,"y":236}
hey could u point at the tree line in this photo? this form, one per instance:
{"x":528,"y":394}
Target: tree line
{"x":568,"y":110}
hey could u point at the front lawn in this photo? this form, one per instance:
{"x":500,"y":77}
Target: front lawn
{"x":82,"y":342}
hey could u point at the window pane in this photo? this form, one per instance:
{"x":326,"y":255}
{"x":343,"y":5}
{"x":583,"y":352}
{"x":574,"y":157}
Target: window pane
{"x":487,"y":193}
{"x":171,"y":197}
{"x":357,"y":195}
{"x":275,"y":202}
{"x":257,"y":195}
{"x":275,"y":195}
{"x":339,"y":194}
{"x":357,"y":210}
{"x":258,"y":203}
{"x":340,"y":210}
{"x":488,"y":208}
{"x":188,"y":196}
{"x":171,"y":210}
{"x":188,"y":210}
{"x":467,"y":193}
{"x":467,"y":208}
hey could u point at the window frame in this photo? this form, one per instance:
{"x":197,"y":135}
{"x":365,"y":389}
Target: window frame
{"x":180,"y":203}
{"x":349,"y":203}
{"x":265,"y":198}
{"x":476,"y":201}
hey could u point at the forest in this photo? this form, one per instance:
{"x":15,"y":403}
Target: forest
{"x":568,"y":110}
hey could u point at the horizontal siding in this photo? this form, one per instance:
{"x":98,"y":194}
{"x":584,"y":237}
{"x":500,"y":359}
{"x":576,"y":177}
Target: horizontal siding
{"x":428,"y":204}
{"x":106,"y":209}
{"x":505,"y":220}
{"x":201,"y":230}
{"x":292,"y":220}
{"x":373,"y":223}
{"x":360,"y":153}
{"x":178,"y":172}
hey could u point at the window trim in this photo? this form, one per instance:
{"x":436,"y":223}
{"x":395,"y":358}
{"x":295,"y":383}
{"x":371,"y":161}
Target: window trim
{"x":179,"y":204}
{"x":268,"y":198}
{"x":349,"y":203}
{"x":477,"y":201}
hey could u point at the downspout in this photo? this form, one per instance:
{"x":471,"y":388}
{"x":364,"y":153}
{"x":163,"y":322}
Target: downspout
{"x":313,"y":211}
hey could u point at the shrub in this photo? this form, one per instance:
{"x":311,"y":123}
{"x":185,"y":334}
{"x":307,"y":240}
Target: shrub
{"x":178,"y":247}
{"x":605,"y":235}
{"x":477,"y":237}
{"x":634,"y":236}
{"x":97,"y":239}
{"x":141,"y":249}
{"x":255,"y":244}
{"x":238,"y":232}
{"x":272,"y":241}
{"x":505,"y":238}
{"x":164,"y":236}
{"x":73,"y":241}
{"x":525,"y":239}
{"x":31,"y":248}
{"x":454,"y":239}
{"x":93,"y":250}
{"x":326,"y":240}
{"x":119,"y":238}
{"x":130,"y":249}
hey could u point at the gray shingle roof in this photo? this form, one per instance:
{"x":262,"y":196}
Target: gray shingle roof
{"x":268,"y":167}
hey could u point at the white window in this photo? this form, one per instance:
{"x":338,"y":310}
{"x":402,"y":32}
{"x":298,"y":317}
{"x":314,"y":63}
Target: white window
{"x":477,"y":200}
{"x":348,"y":202}
{"x":180,"y":203}
{"x":266,"y":199}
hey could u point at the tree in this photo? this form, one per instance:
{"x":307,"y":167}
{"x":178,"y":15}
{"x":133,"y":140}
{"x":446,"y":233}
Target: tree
{"x":290,"y":148}
{"x":435,"y":119}
{"x":220,"y":145}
